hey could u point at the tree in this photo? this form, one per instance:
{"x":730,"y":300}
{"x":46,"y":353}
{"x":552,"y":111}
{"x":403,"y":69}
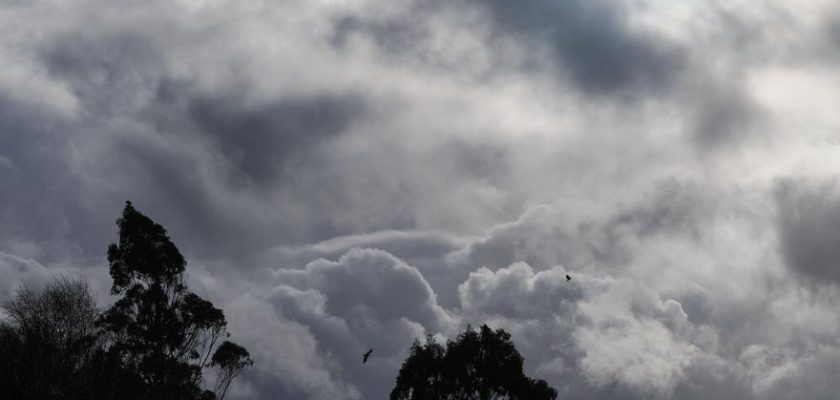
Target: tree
{"x":163,"y":334}
{"x":49,"y":342}
{"x":481,"y":365}
{"x":231,"y":359}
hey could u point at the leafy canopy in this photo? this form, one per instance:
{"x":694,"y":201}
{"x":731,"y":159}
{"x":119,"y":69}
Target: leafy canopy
{"x":478,"y":365}
{"x":164,"y":333}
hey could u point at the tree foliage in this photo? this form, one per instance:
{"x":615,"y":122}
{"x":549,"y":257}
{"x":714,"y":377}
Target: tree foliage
{"x":155,"y":342}
{"x":477,"y":365}
{"x":164,"y":333}
{"x":231,"y":359}
{"x":48,"y":343}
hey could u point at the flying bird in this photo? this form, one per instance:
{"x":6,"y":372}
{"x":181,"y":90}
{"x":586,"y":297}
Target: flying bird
{"x":366,"y":355}
{"x":568,"y":278}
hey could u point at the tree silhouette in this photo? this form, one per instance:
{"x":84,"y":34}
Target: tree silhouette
{"x":49,"y":342}
{"x":481,"y":365}
{"x":161,"y":333}
{"x":230,"y":358}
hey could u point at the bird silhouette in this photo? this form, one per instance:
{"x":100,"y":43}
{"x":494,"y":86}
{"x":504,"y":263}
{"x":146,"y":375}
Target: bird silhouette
{"x":366,"y":355}
{"x":568,"y":278}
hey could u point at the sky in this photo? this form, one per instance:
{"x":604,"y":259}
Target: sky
{"x":353,"y":174}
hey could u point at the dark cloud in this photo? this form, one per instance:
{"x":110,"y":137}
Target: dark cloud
{"x":594,"y":42}
{"x":725,"y":114}
{"x":829,"y":47}
{"x":394,"y":35}
{"x":36,"y":149}
{"x":260,"y":140}
{"x":109,"y":72}
{"x":832,"y":30}
{"x":438,"y":36}
{"x":809,"y":217}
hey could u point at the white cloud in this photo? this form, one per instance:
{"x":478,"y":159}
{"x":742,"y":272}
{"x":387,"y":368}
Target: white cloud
{"x":641,"y":354}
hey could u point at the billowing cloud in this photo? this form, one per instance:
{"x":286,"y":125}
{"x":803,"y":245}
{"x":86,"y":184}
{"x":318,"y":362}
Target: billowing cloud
{"x":365,"y":299}
{"x":517,"y":292}
{"x":638,"y":354}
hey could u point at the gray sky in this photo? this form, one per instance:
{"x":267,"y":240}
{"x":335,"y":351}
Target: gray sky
{"x":347,"y":174}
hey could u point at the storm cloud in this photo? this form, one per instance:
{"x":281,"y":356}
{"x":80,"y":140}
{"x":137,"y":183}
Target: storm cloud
{"x":348,"y":175}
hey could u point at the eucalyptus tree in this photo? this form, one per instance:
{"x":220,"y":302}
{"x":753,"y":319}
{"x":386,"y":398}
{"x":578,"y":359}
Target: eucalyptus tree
{"x":477,"y":365}
{"x":163,"y":335}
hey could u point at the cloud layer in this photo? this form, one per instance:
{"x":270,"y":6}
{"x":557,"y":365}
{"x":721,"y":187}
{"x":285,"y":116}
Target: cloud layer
{"x":344,"y":175}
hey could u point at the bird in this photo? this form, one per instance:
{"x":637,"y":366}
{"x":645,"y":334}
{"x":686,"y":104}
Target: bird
{"x":366,"y":355}
{"x":568,"y":278}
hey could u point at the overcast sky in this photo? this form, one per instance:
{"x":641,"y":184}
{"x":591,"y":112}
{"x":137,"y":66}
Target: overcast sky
{"x":348,"y":174}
